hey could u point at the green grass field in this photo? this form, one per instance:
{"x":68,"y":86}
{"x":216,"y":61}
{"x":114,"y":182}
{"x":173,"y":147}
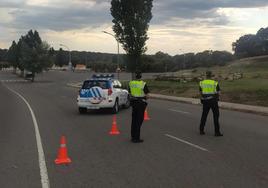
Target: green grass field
{"x":251,"y":89}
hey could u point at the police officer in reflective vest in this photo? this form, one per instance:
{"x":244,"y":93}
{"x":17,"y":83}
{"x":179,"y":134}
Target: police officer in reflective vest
{"x":209,"y":90}
{"x":138,"y":90}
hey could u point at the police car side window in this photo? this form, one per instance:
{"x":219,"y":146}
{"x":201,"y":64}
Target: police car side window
{"x":86,"y":85}
{"x":116,"y":84}
{"x":104,"y":85}
{"x":119,"y":84}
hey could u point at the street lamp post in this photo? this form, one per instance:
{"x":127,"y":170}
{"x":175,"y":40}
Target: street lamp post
{"x":118,"y":67}
{"x":70,"y":57}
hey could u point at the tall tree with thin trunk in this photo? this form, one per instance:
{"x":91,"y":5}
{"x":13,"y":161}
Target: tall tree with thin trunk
{"x":131,"y":22}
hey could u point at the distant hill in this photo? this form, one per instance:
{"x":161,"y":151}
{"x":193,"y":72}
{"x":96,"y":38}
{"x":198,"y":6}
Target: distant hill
{"x":241,"y":81}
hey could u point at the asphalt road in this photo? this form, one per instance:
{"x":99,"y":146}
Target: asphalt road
{"x":173,"y":154}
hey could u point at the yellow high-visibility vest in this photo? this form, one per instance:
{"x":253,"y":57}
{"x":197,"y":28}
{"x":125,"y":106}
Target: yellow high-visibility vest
{"x":136,"y":88}
{"x":208,"y":87}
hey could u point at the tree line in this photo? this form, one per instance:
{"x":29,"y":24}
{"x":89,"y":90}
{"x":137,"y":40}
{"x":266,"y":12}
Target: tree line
{"x":33,"y":54}
{"x":163,"y":62}
{"x":105,"y":62}
{"x":159,"y":62}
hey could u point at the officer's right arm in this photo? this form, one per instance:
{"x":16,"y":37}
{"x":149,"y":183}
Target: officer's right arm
{"x":200,"y":89}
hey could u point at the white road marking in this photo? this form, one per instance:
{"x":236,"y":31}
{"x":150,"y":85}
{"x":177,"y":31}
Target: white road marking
{"x":183,"y":112}
{"x":41,"y":156}
{"x":185,"y":142}
{"x":14,"y":81}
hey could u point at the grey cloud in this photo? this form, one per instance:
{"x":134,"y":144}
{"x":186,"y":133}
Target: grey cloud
{"x":76,"y":17}
{"x":11,"y":3}
{"x":243,"y":3}
{"x":191,"y":9}
{"x":59,"y":19}
{"x":210,"y":4}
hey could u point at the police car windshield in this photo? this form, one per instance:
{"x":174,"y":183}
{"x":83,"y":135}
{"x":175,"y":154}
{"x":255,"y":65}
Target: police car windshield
{"x":95,"y":83}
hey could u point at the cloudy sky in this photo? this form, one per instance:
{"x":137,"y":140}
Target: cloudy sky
{"x":178,"y":26}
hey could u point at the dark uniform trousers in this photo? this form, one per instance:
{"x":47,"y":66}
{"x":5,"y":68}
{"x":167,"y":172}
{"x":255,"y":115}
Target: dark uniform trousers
{"x":138,"y":108}
{"x":207,"y":105}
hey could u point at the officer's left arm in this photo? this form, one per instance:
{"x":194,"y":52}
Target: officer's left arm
{"x":218,"y":92}
{"x":146,"y":91}
{"x":128,"y":87}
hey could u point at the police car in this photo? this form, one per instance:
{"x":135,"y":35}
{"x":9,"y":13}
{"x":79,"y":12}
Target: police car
{"x":102,"y":91}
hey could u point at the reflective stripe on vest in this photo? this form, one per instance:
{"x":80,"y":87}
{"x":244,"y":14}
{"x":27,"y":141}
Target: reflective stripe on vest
{"x":136,"y":88}
{"x":208,"y":86}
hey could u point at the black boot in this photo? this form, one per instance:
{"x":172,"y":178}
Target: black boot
{"x":137,"y":140}
{"x":218,"y":134}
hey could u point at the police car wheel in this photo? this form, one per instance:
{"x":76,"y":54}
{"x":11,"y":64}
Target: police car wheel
{"x":115,"y":108}
{"x":82,"y":110}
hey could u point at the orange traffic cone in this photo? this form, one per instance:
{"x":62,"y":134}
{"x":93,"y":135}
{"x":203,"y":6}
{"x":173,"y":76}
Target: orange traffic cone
{"x":62,"y":153}
{"x":146,"y":117}
{"x":114,"y":130}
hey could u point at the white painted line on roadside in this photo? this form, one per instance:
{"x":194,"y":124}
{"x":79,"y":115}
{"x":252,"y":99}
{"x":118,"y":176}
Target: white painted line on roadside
{"x":41,"y":156}
{"x":14,"y":81}
{"x":186,"y":142}
{"x":179,"y":111}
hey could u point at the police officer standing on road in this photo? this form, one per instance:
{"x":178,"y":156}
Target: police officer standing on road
{"x":209,"y":90}
{"x":138,"y":90}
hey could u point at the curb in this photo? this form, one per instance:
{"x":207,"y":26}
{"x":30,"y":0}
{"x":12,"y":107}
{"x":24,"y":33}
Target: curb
{"x":75,"y":85}
{"x":224,"y":105}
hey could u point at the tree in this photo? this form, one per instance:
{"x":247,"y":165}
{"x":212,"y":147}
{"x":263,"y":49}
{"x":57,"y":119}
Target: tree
{"x":36,"y":55}
{"x":204,"y":59}
{"x":60,"y":58}
{"x":263,"y":36}
{"x":13,"y":55}
{"x":252,"y":45}
{"x":221,"y":57}
{"x":3,"y":55}
{"x":131,"y":21}
{"x":244,"y":46}
{"x":165,"y":61}
{"x":148,"y":63}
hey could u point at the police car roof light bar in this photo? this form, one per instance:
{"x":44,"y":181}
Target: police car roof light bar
{"x":103,"y":76}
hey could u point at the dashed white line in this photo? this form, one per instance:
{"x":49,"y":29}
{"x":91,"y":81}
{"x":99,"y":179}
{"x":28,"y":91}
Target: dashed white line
{"x":186,"y":142}
{"x":41,"y":156}
{"x":179,"y":111}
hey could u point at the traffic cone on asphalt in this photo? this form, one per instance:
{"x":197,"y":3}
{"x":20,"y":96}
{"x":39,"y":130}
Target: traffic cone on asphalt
{"x":146,"y":117}
{"x":114,"y":130}
{"x":62,"y":157}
